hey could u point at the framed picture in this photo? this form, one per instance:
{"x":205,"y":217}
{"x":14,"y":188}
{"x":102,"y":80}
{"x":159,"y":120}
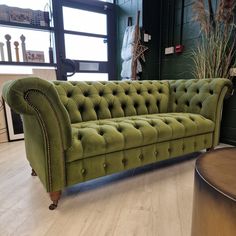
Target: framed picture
{"x":35,"y":56}
{"x":14,"y":124}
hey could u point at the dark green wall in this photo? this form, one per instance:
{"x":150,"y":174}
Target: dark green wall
{"x":152,"y":25}
{"x":157,"y":21}
{"x":177,"y":66}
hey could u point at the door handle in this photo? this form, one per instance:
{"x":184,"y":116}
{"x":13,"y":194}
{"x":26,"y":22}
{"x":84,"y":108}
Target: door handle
{"x":72,"y":63}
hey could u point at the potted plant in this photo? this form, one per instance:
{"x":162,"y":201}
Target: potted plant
{"x":215,"y":53}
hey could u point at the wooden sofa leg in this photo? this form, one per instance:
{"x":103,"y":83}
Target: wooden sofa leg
{"x":33,"y":173}
{"x":55,"y":196}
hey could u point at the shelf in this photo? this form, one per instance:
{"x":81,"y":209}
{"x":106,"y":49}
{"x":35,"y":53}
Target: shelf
{"x":43,"y":64}
{"x":26,"y":26}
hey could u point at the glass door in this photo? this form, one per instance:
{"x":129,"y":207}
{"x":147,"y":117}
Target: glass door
{"x":86,"y":39}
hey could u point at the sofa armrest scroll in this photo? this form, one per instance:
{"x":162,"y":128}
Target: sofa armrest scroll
{"x":46,"y":125}
{"x":204,"y":97}
{"x":16,"y":94}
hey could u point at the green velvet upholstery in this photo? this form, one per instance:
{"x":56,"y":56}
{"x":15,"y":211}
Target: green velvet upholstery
{"x":76,"y":131}
{"x":110,"y":135}
{"x":85,"y":101}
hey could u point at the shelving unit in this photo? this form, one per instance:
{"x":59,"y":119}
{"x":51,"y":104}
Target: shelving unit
{"x":14,"y":63}
{"x":28,"y":26}
{"x":71,"y":42}
{"x":38,"y":38}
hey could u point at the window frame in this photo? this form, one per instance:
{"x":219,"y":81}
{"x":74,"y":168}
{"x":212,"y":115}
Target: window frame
{"x":88,"y":5}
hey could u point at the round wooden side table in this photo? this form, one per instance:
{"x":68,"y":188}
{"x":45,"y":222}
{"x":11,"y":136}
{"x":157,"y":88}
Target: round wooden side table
{"x":214,"y":201}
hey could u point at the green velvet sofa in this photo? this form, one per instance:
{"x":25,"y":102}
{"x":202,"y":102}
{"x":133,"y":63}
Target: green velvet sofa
{"x":77,"y":131}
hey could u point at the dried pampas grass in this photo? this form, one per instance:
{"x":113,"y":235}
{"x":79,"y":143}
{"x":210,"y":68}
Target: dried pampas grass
{"x":225,"y":11}
{"x":215,"y":53}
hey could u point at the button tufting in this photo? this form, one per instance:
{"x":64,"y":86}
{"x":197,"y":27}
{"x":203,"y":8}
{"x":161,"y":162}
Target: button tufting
{"x":101,"y":93}
{"x":83,"y":171}
{"x":211,"y":92}
{"x":81,"y":108}
{"x":127,"y":92}
{"x":86,"y":93}
{"x":110,"y":106}
{"x":104,"y":165}
{"x":101,"y":132}
{"x":149,"y":91}
{"x":197,"y":91}
{"x":135,"y":105}
{"x":200,"y":104}
{"x":191,"y":118}
{"x":119,"y":129}
{"x":69,"y":94}
{"x":141,"y":157}
{"x":124,"y":161}
{"x":96,"y":108}
{"x":160,"y":90}
{"x":114,"y":92}
{"x":138,"y":91}
{"x":185,"y":90}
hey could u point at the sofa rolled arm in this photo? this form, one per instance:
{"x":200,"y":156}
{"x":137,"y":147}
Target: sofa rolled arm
{"x":16,"y":94}
{"x":204,"y":97}
{"x":46,"y":125}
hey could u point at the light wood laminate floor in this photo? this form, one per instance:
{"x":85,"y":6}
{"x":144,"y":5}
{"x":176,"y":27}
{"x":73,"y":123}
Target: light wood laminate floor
{"x":154,"y":201}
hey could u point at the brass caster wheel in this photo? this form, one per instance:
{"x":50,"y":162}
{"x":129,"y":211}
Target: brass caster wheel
{"x":33,"y":173}
{"x":55,"y":196}
{"x":52,"y":206}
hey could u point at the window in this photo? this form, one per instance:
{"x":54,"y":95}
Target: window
{"x":86,"y":38}
{"x":80,"y":33}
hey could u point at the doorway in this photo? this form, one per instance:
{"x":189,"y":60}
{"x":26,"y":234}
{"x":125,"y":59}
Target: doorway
{"x":85,"y":40}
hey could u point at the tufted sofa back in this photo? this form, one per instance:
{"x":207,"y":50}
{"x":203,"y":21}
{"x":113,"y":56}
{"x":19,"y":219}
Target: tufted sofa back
{"x":196,"y":96}
{"x":86,"y":101}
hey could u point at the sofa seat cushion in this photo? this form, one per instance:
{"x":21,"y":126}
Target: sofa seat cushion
{"x":93,"y":138}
